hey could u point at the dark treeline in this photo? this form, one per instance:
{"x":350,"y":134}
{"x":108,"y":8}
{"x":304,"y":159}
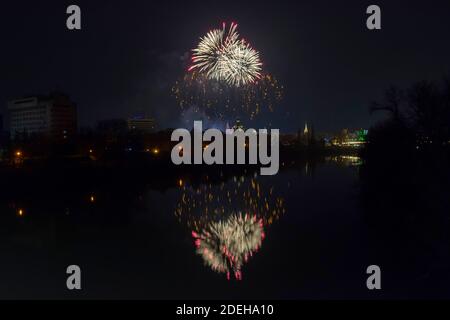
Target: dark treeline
{"x":405,"y":181}
{"x":415,"y":137}
{"x":418,"y":117}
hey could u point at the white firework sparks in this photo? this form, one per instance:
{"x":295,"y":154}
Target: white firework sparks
{"x":226,"y":245}
{"x":222,"y":56}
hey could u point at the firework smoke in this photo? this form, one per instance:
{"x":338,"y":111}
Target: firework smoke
{"x":218,"y":100}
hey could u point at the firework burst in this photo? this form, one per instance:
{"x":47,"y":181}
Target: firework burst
{"x":225,"y":81}
{"x":221,"y":55}
{"x":226,"y":245}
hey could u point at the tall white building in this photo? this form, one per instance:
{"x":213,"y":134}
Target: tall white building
{"x":54,"y":116}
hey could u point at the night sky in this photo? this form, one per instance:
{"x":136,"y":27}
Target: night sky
{"x":129,"y":53}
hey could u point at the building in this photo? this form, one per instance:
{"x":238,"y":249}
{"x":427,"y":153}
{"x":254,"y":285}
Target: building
{"x":306,"y":136}
{"x":237,"y":125}
{"x":4,"y":141}
{"x":350,"y":138}
{"x":53,"y":116}
{"x":288,"y":139}
{"x":145,"y":125}
{"x":112,"y":127}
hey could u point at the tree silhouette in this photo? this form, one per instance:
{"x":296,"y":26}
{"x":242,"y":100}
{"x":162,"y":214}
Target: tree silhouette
{"x":423,"y":111}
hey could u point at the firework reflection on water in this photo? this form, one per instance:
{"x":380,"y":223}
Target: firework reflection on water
{"x":228,"y":220}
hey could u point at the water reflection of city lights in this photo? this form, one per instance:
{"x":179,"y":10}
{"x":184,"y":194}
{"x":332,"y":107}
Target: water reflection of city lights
{"x":347,"y":160}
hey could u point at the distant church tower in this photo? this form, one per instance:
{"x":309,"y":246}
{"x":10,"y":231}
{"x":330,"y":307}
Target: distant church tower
{"x":306,"y":131}
{"x":304,"y":136}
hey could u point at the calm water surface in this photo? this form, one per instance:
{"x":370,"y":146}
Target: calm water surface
{"x":300,"y":234}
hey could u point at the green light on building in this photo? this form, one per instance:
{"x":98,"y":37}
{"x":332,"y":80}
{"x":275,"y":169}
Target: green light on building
{"x":362,"y":135}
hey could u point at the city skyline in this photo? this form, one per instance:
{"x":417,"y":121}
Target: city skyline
{"x":132,"y":122}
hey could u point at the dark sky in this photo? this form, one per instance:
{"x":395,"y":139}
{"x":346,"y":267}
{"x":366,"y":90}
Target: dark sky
{"x":128,"y":53}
